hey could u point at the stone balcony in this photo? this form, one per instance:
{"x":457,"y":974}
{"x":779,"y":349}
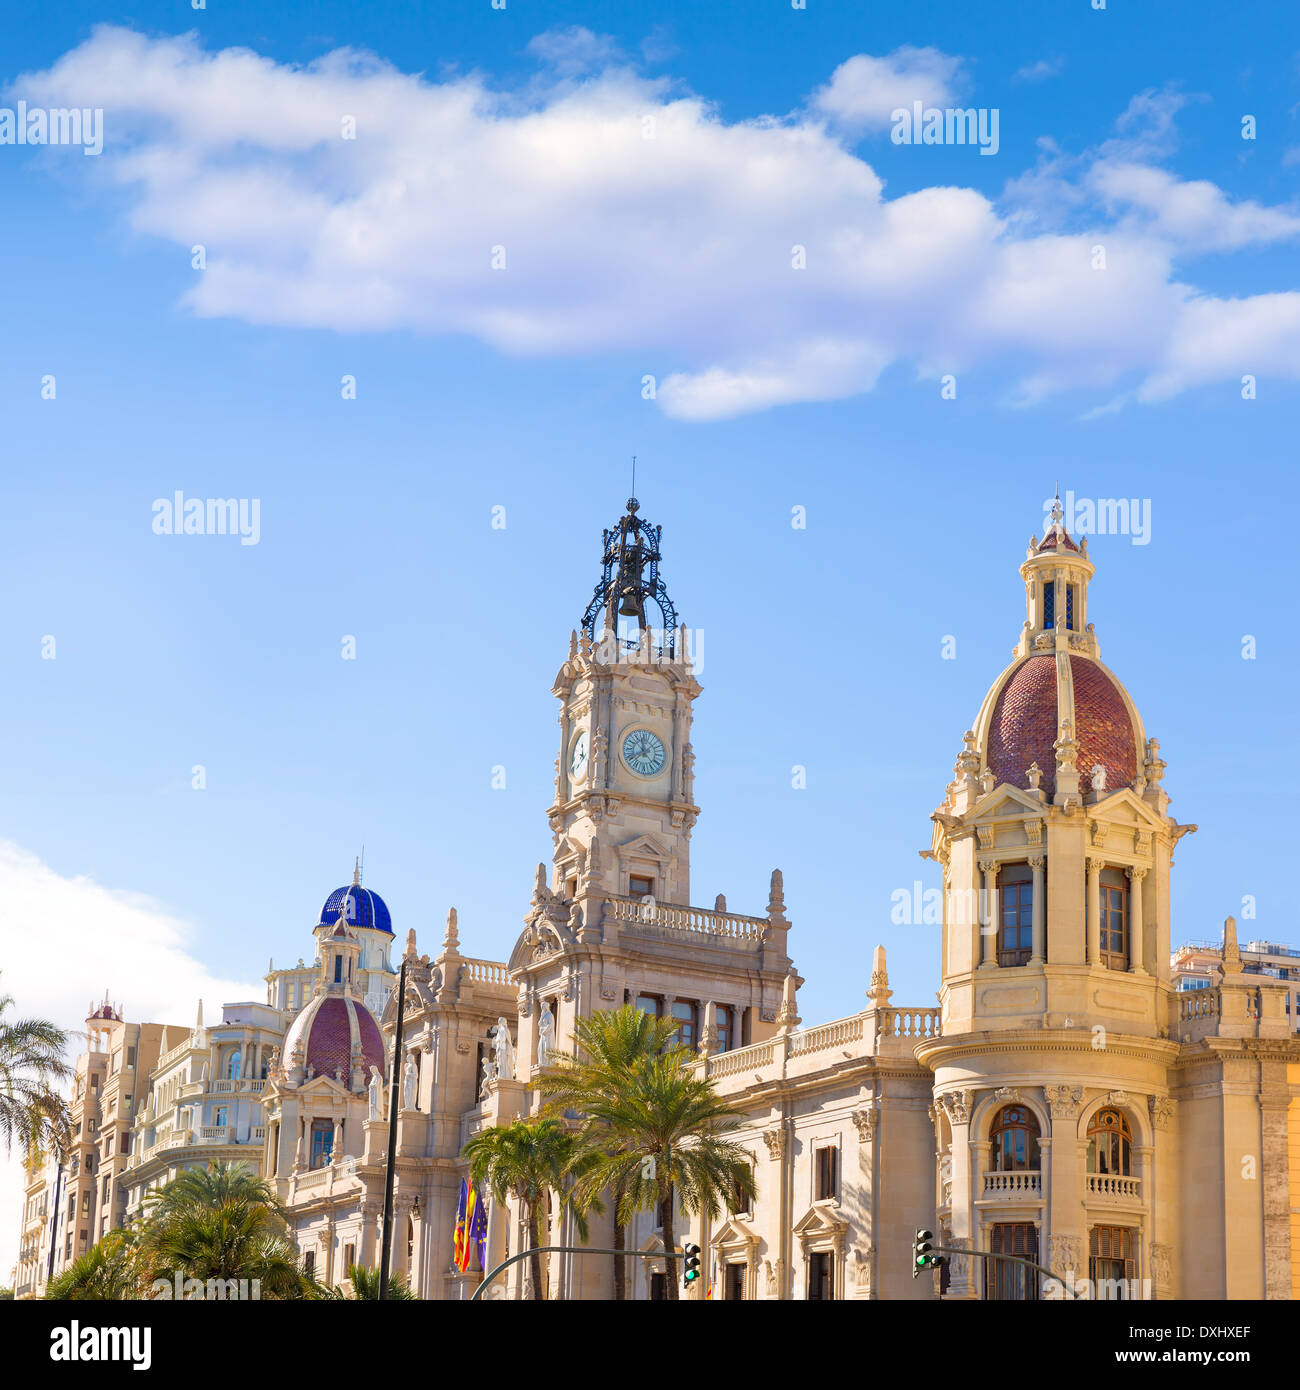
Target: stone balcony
{"x":1014,"y":1186}
{"x":1112,"y":1187}
{"x":876,"y":1032}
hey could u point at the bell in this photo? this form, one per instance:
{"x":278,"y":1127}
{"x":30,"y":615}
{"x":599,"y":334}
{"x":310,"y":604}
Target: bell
{"x":631,"y":606}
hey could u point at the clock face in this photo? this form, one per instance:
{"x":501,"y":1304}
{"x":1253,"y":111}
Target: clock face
{"x":643,"y":752}
{"x":578,"y":755}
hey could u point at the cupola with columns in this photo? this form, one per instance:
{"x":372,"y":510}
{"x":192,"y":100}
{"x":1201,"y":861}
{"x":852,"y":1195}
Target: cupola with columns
{"x":1054,"y":837}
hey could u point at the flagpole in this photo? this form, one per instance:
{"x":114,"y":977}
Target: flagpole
{"x":387,"y":1251}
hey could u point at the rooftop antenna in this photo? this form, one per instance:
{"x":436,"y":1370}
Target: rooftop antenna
{"x":361,"y":871}
{"x":633,"y":475}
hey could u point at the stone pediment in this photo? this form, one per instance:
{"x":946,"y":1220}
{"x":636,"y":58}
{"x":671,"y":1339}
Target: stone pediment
{"x":822,"y":1221}
{"x":1126,"y":807}
{"x":643,"y":847}
{"x":734,"y":1234}
{"x":1006,"y":800}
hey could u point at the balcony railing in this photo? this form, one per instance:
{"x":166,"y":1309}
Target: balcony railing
{"x":487,"y":972}
{"x":694,"y":920}
{"x":1113,"y":1187}
{"x":1013,"y":1184}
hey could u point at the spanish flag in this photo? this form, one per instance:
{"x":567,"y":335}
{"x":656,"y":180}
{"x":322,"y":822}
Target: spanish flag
{"x":460,"y":1242}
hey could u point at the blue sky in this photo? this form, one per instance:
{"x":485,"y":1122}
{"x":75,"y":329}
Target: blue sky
{"x":822,"y":646}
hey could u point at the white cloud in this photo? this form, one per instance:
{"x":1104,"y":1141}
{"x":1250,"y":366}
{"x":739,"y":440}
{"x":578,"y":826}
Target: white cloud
{"x":634,"y":219}
{"x":67,"y":940}
{"x":864,"y":91}
{"x":1041,"y":71}
{"x":574,"y":50}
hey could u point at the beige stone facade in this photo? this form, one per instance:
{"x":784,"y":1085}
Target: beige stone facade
{"x":1064,"y":1102}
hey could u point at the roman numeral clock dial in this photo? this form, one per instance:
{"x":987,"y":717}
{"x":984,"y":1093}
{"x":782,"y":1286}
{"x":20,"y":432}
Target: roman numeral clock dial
{"x":644,"y":753}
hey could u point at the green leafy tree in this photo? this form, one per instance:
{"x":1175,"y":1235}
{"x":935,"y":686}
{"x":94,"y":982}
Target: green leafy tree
{"x":670,"y":1143}
{"x":223,"y":1223}
{"x":607,"y":1045}
{"x":365,"y":1286}
{"x":32,"y":1113}
{"x":530,"y":1160}
{"x":109,"y":1271}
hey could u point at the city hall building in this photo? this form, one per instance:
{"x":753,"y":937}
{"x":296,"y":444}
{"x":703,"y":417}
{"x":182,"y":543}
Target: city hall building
{"x":1063,"y":1102}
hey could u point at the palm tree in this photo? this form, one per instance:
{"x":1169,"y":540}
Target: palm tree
{"x":665,"y":1111}
{"x":223,"y":1223}
{"x":529,"y":1160}
{"x":365,"y":1285}
{"x":607,"y":1045}
{"x":108,"y":1271}
{"x":31,"y":1062}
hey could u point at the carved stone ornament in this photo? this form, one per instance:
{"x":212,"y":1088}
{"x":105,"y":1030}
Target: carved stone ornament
{"x":1008,"y":1094}
{"x":609,"y":991}
{"x":1162,"y":1265}
{"x":1064,"y":1101}
{"x":957,"y":1104}
{"x":1118,"y":1097}
{"x":1162,"y":1110}
{"x":864,"y":1121}
{"x":1064,"y":1255}
{"x":775,"y":1141}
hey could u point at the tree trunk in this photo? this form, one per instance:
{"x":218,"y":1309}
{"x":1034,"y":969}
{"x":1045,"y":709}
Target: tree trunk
{"x":531,"y":1210}
{"x":670,"y":1244}
{"x":620,"y":1263}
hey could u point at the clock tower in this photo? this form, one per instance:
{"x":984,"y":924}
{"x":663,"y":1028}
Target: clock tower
{"x":624,"y":797}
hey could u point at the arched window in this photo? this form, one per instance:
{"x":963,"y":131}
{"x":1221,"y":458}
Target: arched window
{"x":1110,"y":1144}
{"x":234,"y":1064}
{"x":1114,"y":919}
{"x":1015,"y":914}
{"x":1014,"y":1138}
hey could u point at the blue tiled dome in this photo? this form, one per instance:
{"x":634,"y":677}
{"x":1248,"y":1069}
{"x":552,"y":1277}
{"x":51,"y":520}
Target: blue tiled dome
{"x":360,"y":908}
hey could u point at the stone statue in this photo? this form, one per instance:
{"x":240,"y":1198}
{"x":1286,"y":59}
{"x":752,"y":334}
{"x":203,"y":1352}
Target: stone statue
{"x":408,"y":1083}
{"x":488,"y":1077}
{"x":501,"y":1052}
{"x":545,"y":1037}
{"x":376,"y":1094}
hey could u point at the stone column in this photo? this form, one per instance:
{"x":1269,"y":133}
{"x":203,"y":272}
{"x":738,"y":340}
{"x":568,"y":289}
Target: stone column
{"x":1066,"y":1253}
{"x":1095,"y":867}
{"x":988,"y":914}
{"x":1038,"y":954}
{"x":963,"y":1281}
{"x":1135,"y":877}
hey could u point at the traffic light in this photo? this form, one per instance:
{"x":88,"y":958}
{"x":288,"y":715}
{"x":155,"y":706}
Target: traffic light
{"x":924,"y":1260}
{"x":691,"y":1254}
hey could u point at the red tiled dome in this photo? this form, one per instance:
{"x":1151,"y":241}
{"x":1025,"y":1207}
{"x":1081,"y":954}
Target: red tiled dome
{"x":327,"y":1029}
{"x":1022,"y":729}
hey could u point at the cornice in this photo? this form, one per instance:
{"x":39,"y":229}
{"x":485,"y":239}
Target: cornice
{"x":936,"y":1052}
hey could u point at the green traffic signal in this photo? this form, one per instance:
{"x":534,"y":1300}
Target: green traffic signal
{"x":922,"y":1252}
{"x":692,"y":1258}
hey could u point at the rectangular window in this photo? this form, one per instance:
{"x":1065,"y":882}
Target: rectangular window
{"x":85,"y":1204}
{"x":648,"y":1004}
{"x":638,"y":886}
{"x":1114,"y":919}
{"x":724,"y":1028}
{"x":684,"y":1013}
{"x":821,"y":1284}
{"x":349,"y":1258}
{"x":1015,"y":914}
{"x":658,"y":1286}
{"x":309,"y":1263}
{"x":322,"y":1142}
{"x":827,"y":1172}
{"x":1007,"y":1282}
{"x":1111,"y":1265}
{"x":1049,"y":604}
{"x":130,"y":1056}
{"x":222,"y":1117}
{"x":735,"y":1285}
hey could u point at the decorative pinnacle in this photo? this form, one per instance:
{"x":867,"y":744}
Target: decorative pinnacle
{"x":356,"y":872}
{"x":632,"y":504}
{"x":451,"y":939}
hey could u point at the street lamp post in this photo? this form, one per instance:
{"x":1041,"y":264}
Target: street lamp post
{"x":387,"y":1251}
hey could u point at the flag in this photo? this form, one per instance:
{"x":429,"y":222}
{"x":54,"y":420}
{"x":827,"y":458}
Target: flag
{"x":478,"y":1229}
{"x":467,"y":1229}
{"x":460,"y":1242}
